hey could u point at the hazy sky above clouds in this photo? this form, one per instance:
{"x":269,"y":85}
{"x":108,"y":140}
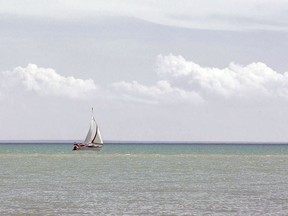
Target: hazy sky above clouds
{"x":153,"y":70}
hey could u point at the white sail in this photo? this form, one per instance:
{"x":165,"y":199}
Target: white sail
{"x":93,"y":135}
{"x":98,"y":138}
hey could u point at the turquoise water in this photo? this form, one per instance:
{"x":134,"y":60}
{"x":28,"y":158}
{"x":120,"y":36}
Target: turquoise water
{"x":50,"y":179}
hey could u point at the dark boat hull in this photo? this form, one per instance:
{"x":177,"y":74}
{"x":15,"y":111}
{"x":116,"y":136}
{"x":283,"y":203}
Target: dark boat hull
{"x":94,"y":147}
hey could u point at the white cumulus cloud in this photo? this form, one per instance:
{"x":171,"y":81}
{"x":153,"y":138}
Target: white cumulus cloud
{"x":235,"y":80}
{"x":162,"y":91}
{"x":185,"y":80}
{"x":45,"y":81}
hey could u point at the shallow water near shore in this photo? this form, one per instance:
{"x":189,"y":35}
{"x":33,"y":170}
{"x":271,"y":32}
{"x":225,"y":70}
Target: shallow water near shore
{"x":139,"y":179}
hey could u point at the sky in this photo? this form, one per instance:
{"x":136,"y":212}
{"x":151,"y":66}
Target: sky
{"x":163,"y":70}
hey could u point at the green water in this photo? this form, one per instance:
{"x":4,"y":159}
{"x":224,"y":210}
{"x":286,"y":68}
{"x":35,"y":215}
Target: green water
{"x":50,"y":179}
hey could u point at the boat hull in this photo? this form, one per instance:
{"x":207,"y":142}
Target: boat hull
{"x":93,"y":147}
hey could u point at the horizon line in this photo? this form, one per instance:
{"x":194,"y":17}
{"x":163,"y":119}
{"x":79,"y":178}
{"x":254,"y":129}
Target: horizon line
{"x":44,"y":141}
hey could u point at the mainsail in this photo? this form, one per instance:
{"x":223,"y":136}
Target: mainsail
{"x":93,"y":135}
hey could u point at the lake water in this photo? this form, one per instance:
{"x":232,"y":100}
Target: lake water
{"x":134,"y":179}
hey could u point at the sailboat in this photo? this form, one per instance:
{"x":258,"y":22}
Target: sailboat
{"x":93,"y":140}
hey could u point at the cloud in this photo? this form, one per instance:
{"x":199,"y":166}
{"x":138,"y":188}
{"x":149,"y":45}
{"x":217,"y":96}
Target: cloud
{"x":46,"y":82}
{"x":200,"y":14}
{"x":161,"y":92}
{"x":235,"y":80}
{"x":187,"y":81}
{"x":179,"y":80}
